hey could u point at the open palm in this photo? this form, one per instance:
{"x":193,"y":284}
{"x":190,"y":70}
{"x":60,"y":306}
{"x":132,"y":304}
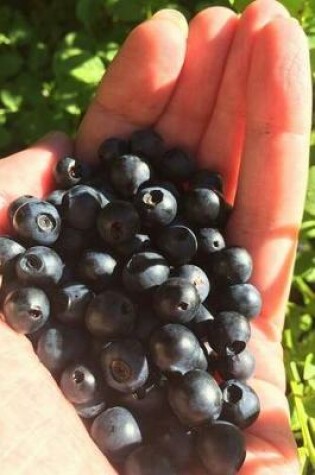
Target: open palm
{"x":236,"y":92}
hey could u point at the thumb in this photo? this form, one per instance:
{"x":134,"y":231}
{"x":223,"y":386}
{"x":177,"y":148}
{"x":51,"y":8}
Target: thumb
{"x":30,"y":172}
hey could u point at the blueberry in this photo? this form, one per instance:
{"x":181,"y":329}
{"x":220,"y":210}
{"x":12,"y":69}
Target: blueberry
{"x":147,"y":143}
{"x":156,"y":205}
{"x":242,"y":298}
{"x":69,"y":172}
{"x":232,"y":265}
{"x":72,"y":242}
{"x":127,"y":173}
{"x":207,"y":179}
{"x":80,"y":207}
{"x":221,"y":447}
{"x":125,"y":365}
{"x":111,"y":148}
{"x":26,"y":309}
{"x":174,"y":348}
{"x":70,"y":301}
{"x":148,"y":400}
{"x":177,"y":165}
{"x":240,"y":403}
{"x":39,"y":265}
{"x":176,"y":441}
{"x":167,"y":185}
{"x":196,"y":276}
{"x":240,"y":366}
{"x":202,"y":207}
{"x":201,"y":322}
{"x":229,"y":333}
{"x":118,"y":222}
{"x":9,"y":249}
{"x":37,"y":222}
{"x":110,"y":314}
{"x":149,"y":460}
{"x":81,"y":384}
{"x":116,"y":433}
{"x":58,"y":346}
{"x":139,"y":243}
{"x":195,"y":398}
{"x":176,"y":300}
{"x":178,"y":243}
{"x":146,"y":324}
{"x":55,"y":198}
{"x":210,"y":240}
{"x":144,"y":271}
{"x":97,"y":269}
{"x":18,"y":202}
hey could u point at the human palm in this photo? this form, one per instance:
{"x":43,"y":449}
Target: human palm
{"x":236,"y":92}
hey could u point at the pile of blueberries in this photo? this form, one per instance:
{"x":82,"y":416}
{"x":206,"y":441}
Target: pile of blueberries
{"x":123,"y":282}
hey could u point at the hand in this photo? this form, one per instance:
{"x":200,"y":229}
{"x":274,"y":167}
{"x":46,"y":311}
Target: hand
{"x":237,"y":93}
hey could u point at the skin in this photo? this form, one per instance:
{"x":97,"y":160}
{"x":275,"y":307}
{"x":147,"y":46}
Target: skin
{"x":236,"y":91}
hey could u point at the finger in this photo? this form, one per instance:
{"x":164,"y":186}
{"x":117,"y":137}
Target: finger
{"x":222,"y":142}
{"x":273,"y":175}
{"x":30,"y":172}
{"x":270,"y":445}
{"x":139,"y":83}
{"x":39,"y":428}
{"x":210,"y":35}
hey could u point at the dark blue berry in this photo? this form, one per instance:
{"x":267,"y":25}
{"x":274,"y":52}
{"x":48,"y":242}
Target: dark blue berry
{"x":110,"y":314}
{"x":176,"y":300}
{"x":37,"y":222}
{"x":195,"y":398}
{"x":125,"y":365}
{"x":127,"y":173}
{"x":21,"y":200}
{"x":111,"y":148}
{"x":201,"y":322}
{"x":72,"y":242}
{"x":177,"y":165}
{"x":69,"y":172}
{"x":202,"y":207}
{"x":240,"y":366}
{"x":81,"y":384}
{"x":58,"y":346}
{"x":9,"y":249}
{"x":139,"y":243}
{"x":39,"y":265}
{"x":146,"y":323}
{"x":80,"y":207}
{"x":232,"y":265}
{"x":116,"y":433}
{"x":56,"y":197}
{"x":70,"y":301}
{"x":206,"y":179}
{"x":149,"y":460}
{"x":196,"y":276}
{"x":156,"y":205}
{"x":240,"y":403}
{"x":147,"y":143}
{"x":229,"y":333}
{"x":174,"y":348}
{"x":210,"y":240}
{"x":221,"y":448}
{"x":242,"y":298}
{"x":26,"y":309}
{"x":144,"y":271}
{"x":97,"y":269}
{"x":118,"y":222}
{"x":178,"y":243}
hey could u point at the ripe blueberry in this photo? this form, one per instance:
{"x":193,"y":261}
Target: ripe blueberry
{"x":231,"y":265}
{"x":240,"y":403}
{"x":242,"y":298}
{"x":97,"y":269}
{"x":210,"y":240}
{"x":39,"y":265}
{"x":127,"y":173}
{"x":240,"y":366}
{"x":70,"y":301}
{"x":196,"y":276}
{"x":118,"y":222}
{"x":80,"y":207}
{"x":156,"y":205}
{"x":178,"y":243}
{"x":229,"y":333}
{"x":9,"y":249}
{"x":111,"y":148}
{"x":144,"y":271}
{"x":149,"y":460}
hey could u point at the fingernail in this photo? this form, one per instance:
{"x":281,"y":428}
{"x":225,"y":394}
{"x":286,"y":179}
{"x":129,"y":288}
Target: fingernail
{"x":174,"y":16}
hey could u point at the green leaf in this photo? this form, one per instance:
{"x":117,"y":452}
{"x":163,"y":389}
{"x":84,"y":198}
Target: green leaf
{"x":310,"y":196}
{"x":11,"y":101}
{"x":309,"y":367}
{"x":79,"y":65}
{"x":89,"y":71}
{"x":305,"y":262}
{"x":5,"y":136}
{"x":89,"y":11}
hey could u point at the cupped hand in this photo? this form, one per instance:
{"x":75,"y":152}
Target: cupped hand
{"x":236,"y":92}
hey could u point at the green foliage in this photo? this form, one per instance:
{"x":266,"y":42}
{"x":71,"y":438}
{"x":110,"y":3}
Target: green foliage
{"x":52,"y":56}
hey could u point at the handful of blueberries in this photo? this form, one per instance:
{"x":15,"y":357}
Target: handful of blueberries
{"x":122,"y":280}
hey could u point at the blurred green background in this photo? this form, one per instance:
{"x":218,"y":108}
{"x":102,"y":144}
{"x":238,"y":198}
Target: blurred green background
{"x":53,"y":54}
